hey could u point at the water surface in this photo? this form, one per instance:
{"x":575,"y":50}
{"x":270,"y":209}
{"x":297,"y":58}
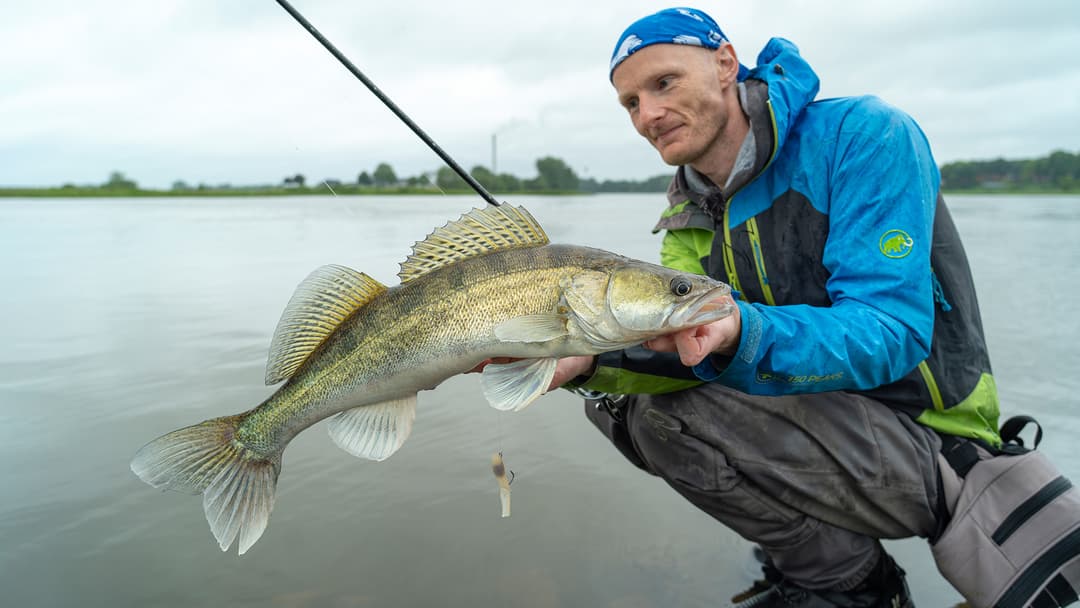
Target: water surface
{"x":124,"y":319}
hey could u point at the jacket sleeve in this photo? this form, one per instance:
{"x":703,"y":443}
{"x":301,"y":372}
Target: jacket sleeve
{"x":881,"y":187}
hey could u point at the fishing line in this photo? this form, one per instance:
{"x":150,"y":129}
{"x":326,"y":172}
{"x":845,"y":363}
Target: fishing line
{"x":450,"y":162}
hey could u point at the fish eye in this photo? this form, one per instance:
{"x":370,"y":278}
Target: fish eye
{"x":681,"y":286}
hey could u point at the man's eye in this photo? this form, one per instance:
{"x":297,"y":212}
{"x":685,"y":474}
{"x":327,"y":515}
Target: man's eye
{"x":632,"y":104}
{"x":663,"y":83}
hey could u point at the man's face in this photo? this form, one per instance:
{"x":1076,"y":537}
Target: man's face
{"x":675,"y":95}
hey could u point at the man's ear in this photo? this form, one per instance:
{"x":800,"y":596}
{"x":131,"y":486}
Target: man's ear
{"x":727,"y":62}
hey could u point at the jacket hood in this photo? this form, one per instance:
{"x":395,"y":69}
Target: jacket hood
{"x":792,"y":84}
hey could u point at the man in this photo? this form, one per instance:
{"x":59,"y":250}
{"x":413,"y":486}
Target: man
{"x":810,"y":421}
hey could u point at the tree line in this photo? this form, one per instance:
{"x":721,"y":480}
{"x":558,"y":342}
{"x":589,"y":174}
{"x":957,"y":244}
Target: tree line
{"x":1059,"y":171}
{"x":552,"y":175}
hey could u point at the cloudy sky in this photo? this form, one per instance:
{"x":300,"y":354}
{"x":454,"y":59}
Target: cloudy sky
{"x":213,"y":91}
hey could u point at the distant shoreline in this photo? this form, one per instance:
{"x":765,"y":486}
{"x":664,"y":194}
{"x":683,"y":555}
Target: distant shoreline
{"x":1056,"y":173}
{"x":96,"y":192}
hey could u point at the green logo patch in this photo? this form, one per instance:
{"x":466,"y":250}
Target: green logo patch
{"x":896,"y":244}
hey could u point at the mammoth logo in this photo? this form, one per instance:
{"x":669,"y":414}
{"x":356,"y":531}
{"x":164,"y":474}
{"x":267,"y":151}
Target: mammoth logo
{"x":895,"y":244}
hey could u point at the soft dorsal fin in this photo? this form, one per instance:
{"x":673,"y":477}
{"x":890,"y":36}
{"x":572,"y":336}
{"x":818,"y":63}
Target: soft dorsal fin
{"x":320,"y":304}
{"x":476,"y":233}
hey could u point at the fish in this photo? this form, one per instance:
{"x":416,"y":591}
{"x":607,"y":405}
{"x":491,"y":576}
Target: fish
{"x":487,"y":285}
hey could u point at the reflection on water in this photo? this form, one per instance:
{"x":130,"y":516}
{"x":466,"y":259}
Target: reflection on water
{"x":124,"y":319}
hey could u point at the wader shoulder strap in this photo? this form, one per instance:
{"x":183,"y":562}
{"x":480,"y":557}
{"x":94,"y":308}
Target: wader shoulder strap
{"x":962,"y":453}
{"x":1010,"y":431}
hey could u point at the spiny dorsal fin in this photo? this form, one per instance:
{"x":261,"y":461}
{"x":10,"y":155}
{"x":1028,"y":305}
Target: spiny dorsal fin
{"x":321,"y":303}
{"x":476,"y":233}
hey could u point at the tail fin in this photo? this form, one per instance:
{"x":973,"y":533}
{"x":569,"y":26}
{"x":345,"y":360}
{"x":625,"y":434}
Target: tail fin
{"x":237,"y":484}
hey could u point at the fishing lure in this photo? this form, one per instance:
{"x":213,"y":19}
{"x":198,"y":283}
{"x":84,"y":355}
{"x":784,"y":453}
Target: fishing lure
{"x":499,"y":469}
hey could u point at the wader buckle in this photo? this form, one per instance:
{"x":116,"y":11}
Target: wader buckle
{"x":613,"y":404}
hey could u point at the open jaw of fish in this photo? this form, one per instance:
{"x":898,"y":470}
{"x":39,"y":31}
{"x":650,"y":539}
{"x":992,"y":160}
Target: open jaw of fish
{"x":353,"y":350}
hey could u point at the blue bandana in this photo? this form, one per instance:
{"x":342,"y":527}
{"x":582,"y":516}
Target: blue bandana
{"x":670,"y":26}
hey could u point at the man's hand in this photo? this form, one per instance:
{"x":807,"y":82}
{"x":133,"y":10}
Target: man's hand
{"x":566,"y":369}
{"x":696,"y":343}
{"x":569,"y":368}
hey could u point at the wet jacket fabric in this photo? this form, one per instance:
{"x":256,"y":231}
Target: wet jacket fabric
{"x":849,"y":270}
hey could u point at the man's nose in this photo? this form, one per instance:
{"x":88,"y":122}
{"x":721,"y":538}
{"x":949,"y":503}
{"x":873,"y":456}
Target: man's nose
{"x":649,"y":109}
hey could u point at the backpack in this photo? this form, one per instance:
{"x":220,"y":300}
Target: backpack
{"x":1013,"y":536}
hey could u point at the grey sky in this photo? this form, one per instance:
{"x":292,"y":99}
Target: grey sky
{"x":211,"y":91}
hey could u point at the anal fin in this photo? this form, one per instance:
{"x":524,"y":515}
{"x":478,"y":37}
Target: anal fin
{"x":374,"y":431}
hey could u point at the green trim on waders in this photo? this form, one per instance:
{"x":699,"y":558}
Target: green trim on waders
{"x":976,"y":416}
{"x":619,"y":381}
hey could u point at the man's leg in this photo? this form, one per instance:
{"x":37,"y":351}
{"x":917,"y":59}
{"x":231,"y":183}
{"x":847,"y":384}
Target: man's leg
{"x":814,"y":479}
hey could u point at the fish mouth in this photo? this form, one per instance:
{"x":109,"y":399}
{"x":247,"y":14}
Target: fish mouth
{"x":706,"y":308}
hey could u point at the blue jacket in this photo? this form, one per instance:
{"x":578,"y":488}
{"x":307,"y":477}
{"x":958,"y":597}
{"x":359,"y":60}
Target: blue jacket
{"x":850,"y":273}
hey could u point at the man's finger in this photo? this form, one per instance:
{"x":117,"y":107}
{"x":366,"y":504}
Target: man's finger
{"x":663,"y":344}
{"x":480,"y":366}
{"x":692,"y":346}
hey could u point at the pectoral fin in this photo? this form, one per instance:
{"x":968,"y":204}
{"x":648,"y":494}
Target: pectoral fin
{"x":532,"y":328}
{"x":513,"y":386}
{"x":374,"y":431}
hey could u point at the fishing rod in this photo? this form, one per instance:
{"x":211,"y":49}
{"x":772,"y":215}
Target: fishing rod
{"x":450,"y":162}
